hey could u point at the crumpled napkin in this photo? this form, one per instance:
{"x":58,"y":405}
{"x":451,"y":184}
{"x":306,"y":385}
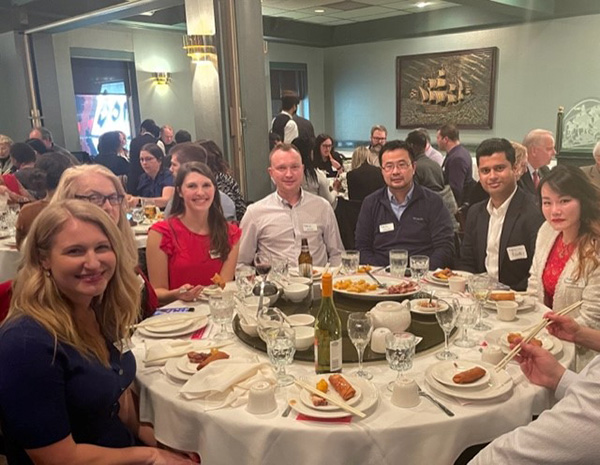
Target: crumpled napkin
{"x":226,"y":383}
{"x":158,"y":352}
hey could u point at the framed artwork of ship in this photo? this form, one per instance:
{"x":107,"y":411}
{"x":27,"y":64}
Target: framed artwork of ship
{"x":450,"y":87}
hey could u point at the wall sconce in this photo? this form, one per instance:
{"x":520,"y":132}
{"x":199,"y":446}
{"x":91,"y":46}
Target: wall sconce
{"x":200,"y":48}
{"x":161,"y":78}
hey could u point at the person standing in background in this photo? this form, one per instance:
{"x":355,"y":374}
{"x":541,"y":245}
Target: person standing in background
{"x":457,"y":166}
{"x":149,"y":132}
{"x":540,"y":151}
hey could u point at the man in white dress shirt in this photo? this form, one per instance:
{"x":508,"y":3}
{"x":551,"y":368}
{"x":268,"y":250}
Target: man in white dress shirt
{"x":277,"y":223}
{"x":568,"y":432}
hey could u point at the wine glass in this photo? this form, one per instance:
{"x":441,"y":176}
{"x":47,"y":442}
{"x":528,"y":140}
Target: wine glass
{"x":244,"y":280}
{"x":280,"y":269}
{"x":446,"y":315}
{"x":399,"y":352}
{"x":137,"y":214}
{"x":221,"y":310}
{"x":262,"y":263}
{"x":360,"y":327}
{"x":480,"y":286}
{"x":281,"y":347}
{"x":268,"y":320}
{"x":466,"y":317}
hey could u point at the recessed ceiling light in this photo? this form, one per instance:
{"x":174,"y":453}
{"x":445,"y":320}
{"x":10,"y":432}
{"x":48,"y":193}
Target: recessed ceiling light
{"x":423,"y":4}
{"x":319,"y":10}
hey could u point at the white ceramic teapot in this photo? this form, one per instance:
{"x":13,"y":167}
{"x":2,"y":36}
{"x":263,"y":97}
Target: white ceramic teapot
{"x":392,"y":315}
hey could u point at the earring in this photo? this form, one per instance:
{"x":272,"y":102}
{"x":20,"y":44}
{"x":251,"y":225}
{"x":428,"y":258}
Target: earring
{"x":47,"y":272}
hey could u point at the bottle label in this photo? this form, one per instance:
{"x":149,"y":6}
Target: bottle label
{"x":335,"y":355}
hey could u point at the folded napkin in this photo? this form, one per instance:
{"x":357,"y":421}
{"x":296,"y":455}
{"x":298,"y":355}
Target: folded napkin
{"x":226,"y":383}
{"x":159,"y":351}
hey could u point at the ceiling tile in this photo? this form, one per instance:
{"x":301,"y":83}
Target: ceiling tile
{"x":368,"y":11}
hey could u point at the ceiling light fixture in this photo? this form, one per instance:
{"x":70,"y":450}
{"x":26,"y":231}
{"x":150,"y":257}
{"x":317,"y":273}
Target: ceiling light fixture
{"x":200,"y":48}
{"x":319,"y":10}
{"x":422,"y":4}
{"x":161,"y":78}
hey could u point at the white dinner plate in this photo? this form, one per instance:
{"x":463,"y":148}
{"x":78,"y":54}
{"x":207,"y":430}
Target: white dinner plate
{"x":197,"y":323}
{"x":444,"y":371}
{"x":525,"y":303}
{"x":444,"y":282}
{"x":185,"y":366}
{"x":499,"y":384}
{"x":377,"y":294}
{"x":174,"y":373}
{"x":494,"y":337}
{"x":168,"y":327}
{"x":416,"y":307}
{"x":368,"y":399}
{"x":317,"y":272}
{"x":547,"y":343}
{"x":306,"y":396}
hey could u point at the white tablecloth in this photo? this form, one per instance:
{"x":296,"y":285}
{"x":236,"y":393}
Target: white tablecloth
{"x":389,"y":435}
{"x":9,"y":259}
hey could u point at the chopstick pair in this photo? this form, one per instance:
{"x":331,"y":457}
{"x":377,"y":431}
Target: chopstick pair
{"x":167,"y":320}
{"x":331,"y":399}
{"x":534,"y":332}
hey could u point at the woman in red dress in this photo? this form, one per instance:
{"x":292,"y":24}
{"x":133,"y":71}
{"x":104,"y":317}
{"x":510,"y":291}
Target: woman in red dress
{"x":185,"y":251}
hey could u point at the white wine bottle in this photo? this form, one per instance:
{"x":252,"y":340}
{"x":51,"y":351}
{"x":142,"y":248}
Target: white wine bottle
{"x":328,"y":332}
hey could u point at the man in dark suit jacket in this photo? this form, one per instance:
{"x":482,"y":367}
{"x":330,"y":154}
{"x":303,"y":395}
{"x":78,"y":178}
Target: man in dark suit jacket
{"x":500,"y":234}
{"x":540,"y":151}
{"x":305,"y":128}
{"x":363,"y":181}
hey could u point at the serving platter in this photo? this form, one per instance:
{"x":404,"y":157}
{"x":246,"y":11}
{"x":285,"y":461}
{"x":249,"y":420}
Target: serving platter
{"x":375,"y":294}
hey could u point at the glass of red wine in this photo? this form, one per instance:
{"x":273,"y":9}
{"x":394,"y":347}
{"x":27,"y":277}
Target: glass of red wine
{"x":262,"y":264}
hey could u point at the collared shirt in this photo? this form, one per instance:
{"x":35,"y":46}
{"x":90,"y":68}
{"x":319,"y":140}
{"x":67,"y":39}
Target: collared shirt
{"x":274,"y":226}
{"x":148,"y":187}
{"x":398,"y":208}
{"x":492,"y":251}
{"x":434,"y":155}
{"x":290,"y":131}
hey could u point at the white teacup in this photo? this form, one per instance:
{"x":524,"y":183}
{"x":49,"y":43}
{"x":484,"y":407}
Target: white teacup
{"x":492,"y":354}
{"x":457,"y":284}
{"x":507,"y":310}
{"x":378,"y":340}
{"x":261,"y":398}
{"x":406,"y":393}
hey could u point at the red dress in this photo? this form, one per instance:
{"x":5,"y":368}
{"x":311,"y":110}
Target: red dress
{"x":557,"y":260}
{"x":190,"y":261}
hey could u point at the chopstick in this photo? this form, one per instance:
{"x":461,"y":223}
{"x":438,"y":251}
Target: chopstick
{"x":187,"y":348}
{"x":167,"y":320}
{"x":331,"y":399}
{"x":534,"y":332}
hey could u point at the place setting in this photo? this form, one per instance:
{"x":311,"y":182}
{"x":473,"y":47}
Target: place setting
{"x":503,"y":338}
{"x":172,"y":325}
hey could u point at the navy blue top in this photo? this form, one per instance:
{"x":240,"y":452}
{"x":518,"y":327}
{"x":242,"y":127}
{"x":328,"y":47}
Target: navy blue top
{"x":118,"y":165}
{"x":148,"y":187}
{"x":45,"y":395}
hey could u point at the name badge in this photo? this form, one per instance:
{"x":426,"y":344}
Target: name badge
{"x":386,"y":227}
{"x":517,"y":252}
{"x":309,"y":227}
{"x":214,"y":254}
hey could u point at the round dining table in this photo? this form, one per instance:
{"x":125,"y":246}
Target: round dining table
{"x":388,"y":435}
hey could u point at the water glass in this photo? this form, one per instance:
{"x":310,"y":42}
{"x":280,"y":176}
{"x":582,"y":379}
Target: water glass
{"x":419,"y":266}
{"x":480,"y":286}
{"x":399,"y":352}
{"x":268,"y":320}
{"x":137,"y":214}
{"x":244,"y":280}
{"x":446,"y":315}
{"x":281,"y":347}
{"x":279,"y":269}
{"x":465,"y":319}
{"x":360,"y":327}
{"x":350,"y":261}
{"x":398,"y":262}
{"x":221,"y":310}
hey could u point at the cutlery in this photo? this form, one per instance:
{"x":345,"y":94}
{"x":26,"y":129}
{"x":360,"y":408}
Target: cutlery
{"x":445,"y":409}
{"x":379,"y":283}
{"x":167,"y":320}
{"x":287,"y":410}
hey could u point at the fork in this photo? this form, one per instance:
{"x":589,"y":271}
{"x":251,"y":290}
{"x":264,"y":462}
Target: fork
{"x":445,"y":409}
{"x":379,"y":283}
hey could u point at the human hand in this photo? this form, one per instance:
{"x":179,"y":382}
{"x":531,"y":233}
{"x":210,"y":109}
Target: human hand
{"x":189,"y":293}
{"x":131,"y":200}
{"x":563,"y":327}
{"x":539,"y":366}
{"x":171,"y":457}
{"x":337,"y":185}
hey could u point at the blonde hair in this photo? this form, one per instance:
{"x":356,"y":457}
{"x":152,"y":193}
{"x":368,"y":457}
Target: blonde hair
{"x":520,"y":152}
{"x":69,"y":186}
{"x":5,"y":140}
{"x":359,"y":156}
{"x":36,"y":295}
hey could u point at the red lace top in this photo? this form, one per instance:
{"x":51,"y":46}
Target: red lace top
{"x":558,"y":258}
{"x":189,"y":257}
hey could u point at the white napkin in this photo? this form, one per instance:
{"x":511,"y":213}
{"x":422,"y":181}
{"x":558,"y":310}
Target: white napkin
{"x":226,"y":383}
{"x":159,"y":351}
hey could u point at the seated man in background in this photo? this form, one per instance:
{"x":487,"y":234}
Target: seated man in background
{"x":403,"y":215}
{"x":277,"y":223}
{"x":500,"y":232}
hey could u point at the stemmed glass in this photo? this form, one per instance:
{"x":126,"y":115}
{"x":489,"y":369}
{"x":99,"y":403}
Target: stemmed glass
{"x":399,"y":352}
{"x":360,"y":327}
{"x":221,"y":310}
{"x":262,"y":263}
{"x":466,"y":317}
{"x":281,"y":347}
{"x":137,"y":214}
{"x":268,"y":320}
{"x":480,"y":286}
{"x":446,"y":315}
{"x":244,"y":280}
{"x":280,"y":270}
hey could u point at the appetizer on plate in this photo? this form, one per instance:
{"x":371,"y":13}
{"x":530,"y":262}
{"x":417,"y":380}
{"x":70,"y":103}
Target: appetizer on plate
{"x":512,"y":338}
{"x":203,"y":358}
{"x":341,"y":386}
{"x":358,"y":286}
{"x":218,"y":280}
{"x":403,"y":288}
{"x":444,"y":274}
{"x":469,"y":376}
{"x":364,"y":268}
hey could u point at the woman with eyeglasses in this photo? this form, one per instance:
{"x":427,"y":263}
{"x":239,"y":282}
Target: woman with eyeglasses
{"x":99,"y":186}
{"x":156,"y":182}
{"x":325,"y":158}
{"x":195,"y":242}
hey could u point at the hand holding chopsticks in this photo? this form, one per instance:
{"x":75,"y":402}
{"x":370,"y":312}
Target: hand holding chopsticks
{"x":534,"y":332}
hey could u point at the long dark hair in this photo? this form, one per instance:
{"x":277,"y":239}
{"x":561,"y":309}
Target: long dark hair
{"x":304,"y":147}
{"x":317,"y":159}
{"x":571,"y":181}
{"x":216,"y":160}
{"x":219,"y":241}
{"x":109,"y":143}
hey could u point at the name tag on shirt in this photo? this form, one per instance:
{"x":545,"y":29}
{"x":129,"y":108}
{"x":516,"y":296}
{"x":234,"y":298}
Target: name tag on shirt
{"x":309,"y":227}
{"x":386,"y":227}
{"x":517,"y":252}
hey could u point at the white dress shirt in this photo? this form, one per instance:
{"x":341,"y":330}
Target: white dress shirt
{"x":492,"y":251}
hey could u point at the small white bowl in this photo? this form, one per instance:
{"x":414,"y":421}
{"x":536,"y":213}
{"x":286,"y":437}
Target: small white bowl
{"x":305,"y":337}
{"x":299,"y":280}
{"x":250,"y":329}
{"x":296,"y":292}
{"x":300,"y":319}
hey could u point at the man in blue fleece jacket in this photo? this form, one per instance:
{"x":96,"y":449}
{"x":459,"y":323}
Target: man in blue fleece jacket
{"x":403,"y":215}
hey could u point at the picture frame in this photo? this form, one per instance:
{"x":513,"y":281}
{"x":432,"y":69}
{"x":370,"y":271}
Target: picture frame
{"x":456,"y":87}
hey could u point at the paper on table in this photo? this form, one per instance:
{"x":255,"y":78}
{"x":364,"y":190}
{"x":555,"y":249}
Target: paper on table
{"x":226,"y":383}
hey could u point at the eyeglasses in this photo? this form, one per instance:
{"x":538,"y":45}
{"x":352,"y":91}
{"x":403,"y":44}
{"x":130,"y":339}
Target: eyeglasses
{"x":327,"y":146}
{"x":402,"y":166}
{"x":98,"y":199}
{"x":379,"y":139}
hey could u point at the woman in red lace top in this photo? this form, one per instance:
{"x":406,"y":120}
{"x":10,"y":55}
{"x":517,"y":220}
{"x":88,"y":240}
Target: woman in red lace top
{"x":185,"y":251}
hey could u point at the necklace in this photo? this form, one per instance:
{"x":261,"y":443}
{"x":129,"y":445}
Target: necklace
{"x":564,"y":250}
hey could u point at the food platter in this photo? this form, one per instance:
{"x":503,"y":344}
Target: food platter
{"x":373,"y":294}
{"x":444,"y":371}
{"x":416,"y":306}
{"x":430,"y":277}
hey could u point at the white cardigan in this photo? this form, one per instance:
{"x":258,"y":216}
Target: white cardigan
{"x":568,"y":290}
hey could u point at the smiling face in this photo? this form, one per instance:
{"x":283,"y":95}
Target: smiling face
{"x":81,"y":261}
{"x":398,"y":170}
{"x":563,"y":212}
{"x":94,"y":183}
{"x":197,"y":192}
{"x":286,"y":170}
{"x":150,"y":164}
{"x":498,"y":178}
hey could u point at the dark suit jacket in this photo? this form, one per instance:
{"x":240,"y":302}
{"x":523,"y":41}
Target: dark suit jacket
{"x":526,"y":181}
{"x":363,"y":181}
{"x":305,"y":128}
{"x":521,"y":224}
